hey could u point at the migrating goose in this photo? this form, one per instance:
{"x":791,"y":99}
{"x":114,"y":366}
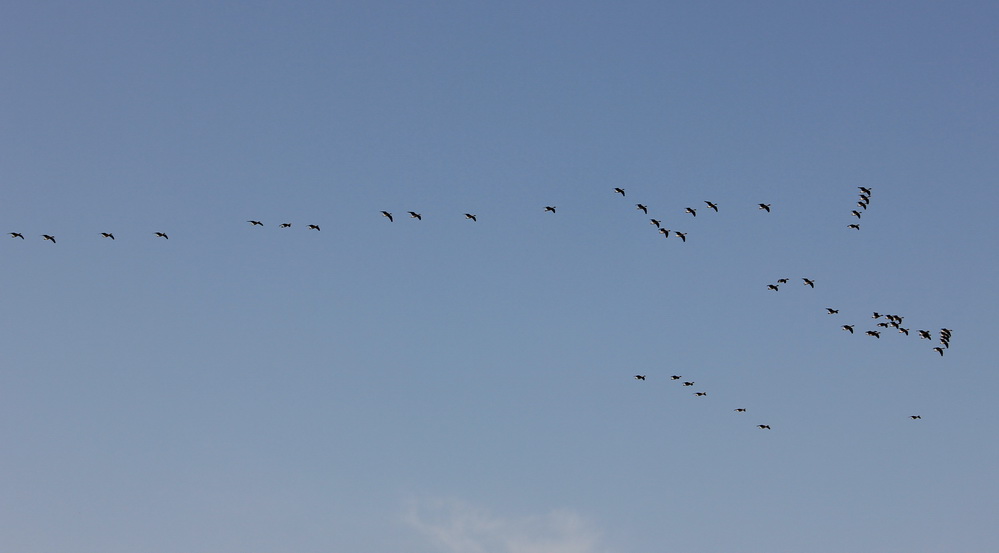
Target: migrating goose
{"x":664,"y":231}
{"x":691,"y":210}
{"x":389,"y":215}
{"x":470,"y":216}
{"x":162,"y":235}
{"x":876,"y":315}
{"x":639,"y":377}
{"x":314,"y":227}
{"x":939,"y":350}
{"x":107,"y":235}
{"x":700,"y":394}
{"x":765,"y":207}
{"x":688,"y":383}
{"x":49,"y":237}
{"x":781,"y":281}
{"x":855,"y":213}
{"x":763,"y":426}
{"x":809,"y":282}
{"x":915,"y":417}
{"x":676,"y":377}
{"x":255,"y":223}
{"x":925,"y":335}
{"x":682,"y":235}
{"x":550,"y":208}
{"x":16,"y":235}
{"x":862,"y":205}
{"x":848,"y":327}
{"x":740,"y":410}
{"x":884,"y":325}
{"x":711,"y":205}
{"x":656,"y":222}
{"x":619,"y":191}
{"x":285,"y":225}
{"x":415,"y":215}
{"x":866,"y":191}
{"x":643,"y":208}
{"x":831,"y":311}
{"x":903,"y":331}
{"x":773,"y":287}
{"x":854,"y":226}
{"x":874,"y":333}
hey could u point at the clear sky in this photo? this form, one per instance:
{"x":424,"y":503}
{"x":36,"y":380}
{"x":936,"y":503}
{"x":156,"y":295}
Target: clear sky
{"x":458,"y":386}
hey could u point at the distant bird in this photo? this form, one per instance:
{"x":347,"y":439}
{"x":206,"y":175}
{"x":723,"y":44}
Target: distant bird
{"x":470,"y":216}
{"x":862,"y":205}
{"x":781,"y":281}
{"x":688,"y":383}
{"x":865,"y":190}
{"x":285,"y":225}
{"x":848,"y":327}
{"x":915,"y":417}
{"x":682,"y":235}
{"x":664,"y":231}
{"x":876,"y":315}
{"x":874,"y":333}
{"x":712,"y":205}
{"x":854,"y":226}
{"x":831,"y":311}
{"x":925,"y":335}
{"x":939,"y":350}
{"x":639,"y":377}
{"x":763,"y":426}
{"x":643,"y":208}
{"x":162,"y":235}
{"x":389,"y":215}
{"x":903,"y":330}
{"x":700,"y":394}
{"x":255,"y":223}
{"x":884,"y":325}
{"x":691,"y":210}
{"x":107,"y":235}
{"x":415,"y":215}
{"x":809,"y":282}
{"x":656,"y":222}
{"x":855,"y":213}
{"x":314,"y":227}
{"x":774,"y":287}
{"x":16,"y":235}
{"x":550,"y":208}
{"x":49,"y":237}
{"x":619,"y":191}
{"x":675,"y":377}
{"x":765,"y":207}
{"x":740,"y":410}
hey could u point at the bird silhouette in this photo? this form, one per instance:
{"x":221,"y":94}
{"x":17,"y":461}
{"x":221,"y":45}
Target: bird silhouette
{"x":619,"y":191}
{"x":643,"y":208}
{"x":682,"y":235}
{"x":831,"y":311}
{"x":664,"y":231}
{"x":162,"y":235}
{"x":107,"y":235}
{"x":49,"y":237}
{"x":874,"y":333}
{"x":854,"y":226}
{"x":470,"y":216}
{"x":314,"y":227}
{"x":848,"y":327}
{"x":855,"y":213}
{"x":688,"y":383}
{"x":675,"y":377}
{"x":925,"y":335}
{"x":774,"y":287}
{"x":700,"y":394}
{"x":550,"y":208}
{"x":285,"y":225}
{"x":389,"y":216}
{"x":915,"y":417}
{"x":866,"y":191}
{"x":255,"y":223}
{"x":656,"y":222}
{"x":415,"y":215}
{"x":16,"y":235}
{"x":740,"y":410}
{"x":765,"y":207}
{"x":809,"y":282}
{"x":939,"y":350}
{"x":781,"y":281}
{"x":713,"y":206}
{"x":691,"y":210}
{"x":763,"y":426}
{"x":639,"y":377}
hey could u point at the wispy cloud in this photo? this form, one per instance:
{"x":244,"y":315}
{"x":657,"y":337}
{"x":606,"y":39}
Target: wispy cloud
{"x":457,"y":527}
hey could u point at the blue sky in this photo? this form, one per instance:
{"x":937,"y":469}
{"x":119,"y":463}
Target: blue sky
{"x":449,"y":386}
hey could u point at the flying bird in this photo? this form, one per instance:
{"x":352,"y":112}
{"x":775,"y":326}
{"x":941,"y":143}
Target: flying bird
{"x":107,"y":235}
{"x":854,"y":226}
{"x":862,"y":205}
{"x":903,"y":331}
{"x":16,"y":235}
{"x":774,"y":287}
{"x":700,"y":394}
{"x":874,"y":333}
{"x":550,"y":208}
{"x":740,"y":410}
{"x":656,"y":222}
{"x":389,"y":215}
{"x":925,"y":335}
{"x":639,"y":377}
{"x":675,"y":377}
{"x":643,"y":208}
{"x":781,"y":281}
{"x":314,"y":227}
{"x":664,"y":231}
{"x":915,"y":417}
{"x":255,"y":223}
{"x":162,"y":235}
{"x":866,"y":191}
{"x":855,"y":213}
{"x":470,"y":216}
{"x":49,"y":237}
{"x":831,"y":311}
{"x":713,"y":206}
{"x":765,"y":207}
{"x":763,"y":426}
{"x":688,"y":383}
{"x":619,"y":191}
{"x":691,"y":210}
{"x":848,"y":327}
{"x":939,"y":350}
{"x":682,"y":235}
{"x":415,"y":215}
{"x":809,"y":282}
{"x":285,"y":225}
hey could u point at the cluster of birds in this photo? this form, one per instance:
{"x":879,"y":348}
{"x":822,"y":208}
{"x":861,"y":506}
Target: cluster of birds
{"x":776,"y":286}
{"x":658,"y":222}
{"x":676,"y":377}
{"x":52,"y":239}
{"x":895,"y":321}
{"x":865,"y":199}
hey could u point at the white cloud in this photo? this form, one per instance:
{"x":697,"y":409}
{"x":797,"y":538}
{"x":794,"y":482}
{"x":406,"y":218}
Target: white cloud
{"x":456,"y":527}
